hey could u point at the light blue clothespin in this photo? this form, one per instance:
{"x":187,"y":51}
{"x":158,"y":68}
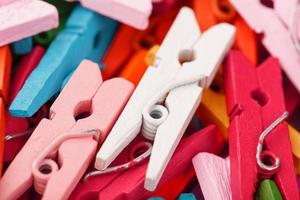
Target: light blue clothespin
{"x":187,"y":196}
{"x":23,"y":46}
{"x":86,"y":35}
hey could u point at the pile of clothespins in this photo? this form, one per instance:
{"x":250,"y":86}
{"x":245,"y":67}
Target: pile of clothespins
{"x":150,"y":99}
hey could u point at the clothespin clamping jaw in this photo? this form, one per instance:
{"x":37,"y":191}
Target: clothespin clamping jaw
{"x":169,"y":93}
{"x":20,"y":19}
{"x":281,"y":37}
{"x":259,"y":144}
{"x":81,"y":116}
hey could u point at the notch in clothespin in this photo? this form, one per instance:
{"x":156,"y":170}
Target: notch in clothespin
{"x":110,"y":185}
{"x":169,"y":93}
{"x":211,"y":12}
{"x":80,"y":117}
{"x":18,"y":129}
{"x":281,"y":37}
{"x":88,"y":37}
{"x":255,"y":101}
{"x":5,"y":70}
{"x":213,"y":175}
{"x":23,"y":18}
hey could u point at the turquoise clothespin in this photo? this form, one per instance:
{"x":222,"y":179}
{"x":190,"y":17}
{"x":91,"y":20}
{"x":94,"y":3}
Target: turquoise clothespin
{"x":23,"y":46}
{"x":86,"y":35}
{"x":187,"y":196}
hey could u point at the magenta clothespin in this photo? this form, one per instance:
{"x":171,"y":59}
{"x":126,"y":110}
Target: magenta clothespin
{"x":275,"y":21}
{"x":81,"y":116}
{"x":213,"y":173}
{"x":23,"y":18}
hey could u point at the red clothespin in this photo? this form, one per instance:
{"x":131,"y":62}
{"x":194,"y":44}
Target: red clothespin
{"x":87,"y":107}
{"x":254,"y":101}
{"x":5,"y":70}
{"x":129,"y":184}
{"x":133,"y":42}
{"x":17,"y":129}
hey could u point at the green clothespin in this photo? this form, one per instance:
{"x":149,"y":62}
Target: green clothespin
{"x":268,"y":190}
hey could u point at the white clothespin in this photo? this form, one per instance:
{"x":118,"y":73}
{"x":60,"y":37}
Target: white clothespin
{"x":169,"y":93}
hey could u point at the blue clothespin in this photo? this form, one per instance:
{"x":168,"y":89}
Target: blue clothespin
{"x":187,"y":196}
{"x":23,"y":46}
{"x":86,"y":35}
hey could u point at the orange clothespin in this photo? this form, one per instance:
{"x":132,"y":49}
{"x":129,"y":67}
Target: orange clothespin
{"x":134,"y":44}
{"x":138,"y":64}
{"x":5,"y":69}
{"x":135,"y":68}
{"x":211,"y":12}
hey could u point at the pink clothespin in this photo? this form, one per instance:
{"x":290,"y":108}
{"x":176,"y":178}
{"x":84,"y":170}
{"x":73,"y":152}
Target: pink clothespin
{"x":61,"y":148}
{"x":23,"y":18}
{"x":135,"y":13}
{"x":213,"y":173}
{"x":281,"y":37}
{"x":19,"y":129}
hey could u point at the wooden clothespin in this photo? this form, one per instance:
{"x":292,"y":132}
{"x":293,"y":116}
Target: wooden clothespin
{"x":78,"y":121}
{"x":129,"y":183}
{"x":213,"y":110}
{"x":212,"y":12}
{"x":259,"y":149}
{"x":281,"y":37}
{"x":177,"y":80}
{"x":23,"y":18}
{"x":88,"y":38}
